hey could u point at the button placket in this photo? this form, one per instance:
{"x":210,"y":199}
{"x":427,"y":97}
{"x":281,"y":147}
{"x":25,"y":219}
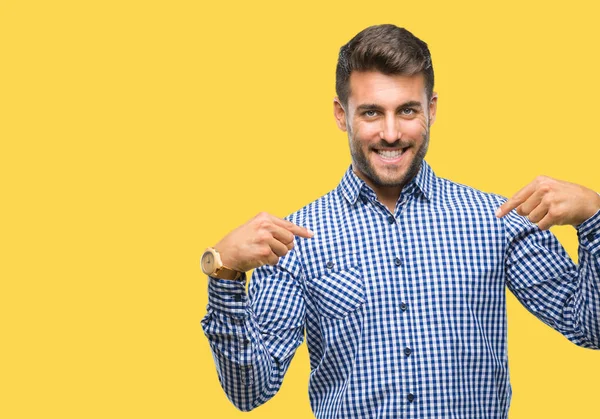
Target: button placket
{"x":247,"y":374}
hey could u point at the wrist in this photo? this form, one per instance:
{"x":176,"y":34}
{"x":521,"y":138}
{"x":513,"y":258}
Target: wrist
{"x":224,"y":255}
{"x":212,"y":265}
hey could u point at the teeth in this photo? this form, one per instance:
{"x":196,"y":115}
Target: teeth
{"x":390,"y":154}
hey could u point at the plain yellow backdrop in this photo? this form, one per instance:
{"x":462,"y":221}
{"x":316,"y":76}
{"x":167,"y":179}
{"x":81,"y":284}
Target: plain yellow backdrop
{"x":136,"y":133}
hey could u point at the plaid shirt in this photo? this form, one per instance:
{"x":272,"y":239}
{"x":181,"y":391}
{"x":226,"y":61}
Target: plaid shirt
{"x":404,"y":313}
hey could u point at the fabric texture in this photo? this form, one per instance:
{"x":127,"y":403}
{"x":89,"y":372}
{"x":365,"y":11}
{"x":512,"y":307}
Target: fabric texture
{"x":404,"y":313}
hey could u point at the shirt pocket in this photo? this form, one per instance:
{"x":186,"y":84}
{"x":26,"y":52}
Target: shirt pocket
{"x":339,"y":288}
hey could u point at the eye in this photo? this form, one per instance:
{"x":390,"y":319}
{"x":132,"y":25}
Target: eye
{"x":370,"y":113}
{"x":407,"y":111}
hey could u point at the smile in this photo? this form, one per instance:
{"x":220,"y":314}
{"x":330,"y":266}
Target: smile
{"x":390,"y":155}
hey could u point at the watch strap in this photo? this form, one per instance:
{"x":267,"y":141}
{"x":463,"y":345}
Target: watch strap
{"x":227,"y":273}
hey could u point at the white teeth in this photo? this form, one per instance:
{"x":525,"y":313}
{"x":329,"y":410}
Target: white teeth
{"x":390,"y":154}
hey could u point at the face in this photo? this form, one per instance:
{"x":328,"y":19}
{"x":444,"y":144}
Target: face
{"x":387,"y":119}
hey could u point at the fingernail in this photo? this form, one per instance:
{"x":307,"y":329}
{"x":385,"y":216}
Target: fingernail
{"x":498,"y":212}
{"x":310,"y":232}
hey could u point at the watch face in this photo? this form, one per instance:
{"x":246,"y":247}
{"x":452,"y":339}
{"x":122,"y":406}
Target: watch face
{"x":208,"y":263}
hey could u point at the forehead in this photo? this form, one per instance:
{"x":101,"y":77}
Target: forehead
{"x":378,"y":88}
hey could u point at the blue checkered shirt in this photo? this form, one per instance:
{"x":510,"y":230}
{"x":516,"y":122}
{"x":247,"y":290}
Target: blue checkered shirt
{"x":404,"y":313}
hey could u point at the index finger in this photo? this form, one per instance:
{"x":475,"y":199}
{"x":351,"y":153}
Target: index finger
{"x":516,"y":200}
{"x":295,"y":229}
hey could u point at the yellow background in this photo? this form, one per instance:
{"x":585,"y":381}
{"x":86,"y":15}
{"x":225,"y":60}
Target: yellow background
{"x":135,"y":134}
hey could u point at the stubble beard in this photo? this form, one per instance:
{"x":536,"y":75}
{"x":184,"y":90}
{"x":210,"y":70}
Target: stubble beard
{"x":361,"y":163}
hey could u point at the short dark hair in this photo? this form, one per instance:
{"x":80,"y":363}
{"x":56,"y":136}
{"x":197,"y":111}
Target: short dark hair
{"x":385,"y":48}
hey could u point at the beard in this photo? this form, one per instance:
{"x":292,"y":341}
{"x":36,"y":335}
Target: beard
{"x":361,"y":163}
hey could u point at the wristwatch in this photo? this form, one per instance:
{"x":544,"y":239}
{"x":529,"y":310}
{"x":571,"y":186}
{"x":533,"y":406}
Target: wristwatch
{"x":212,"y":266}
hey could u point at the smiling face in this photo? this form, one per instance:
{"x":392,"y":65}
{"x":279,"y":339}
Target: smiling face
{"x":387,"y":119}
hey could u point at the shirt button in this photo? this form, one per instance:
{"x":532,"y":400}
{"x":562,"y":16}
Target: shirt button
{"x":591,"y":237}
{"x":403,"y":306}
{"x":238,"y":297}
{"x":391,"y":219}
{"x":329,"y":265}
{"x":397,"y":262}
{"x":410,"y":397}
{"x":407,"y":351}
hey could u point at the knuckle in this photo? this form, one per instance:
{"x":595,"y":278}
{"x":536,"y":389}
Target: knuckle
{"x":262,"y":215}
{"x":265,"y":252}
{"x":555,"y":213}
{"x":263,"y":224}
{"x":263,"y":236}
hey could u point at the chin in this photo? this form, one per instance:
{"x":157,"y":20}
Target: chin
{"x":391,"y":181}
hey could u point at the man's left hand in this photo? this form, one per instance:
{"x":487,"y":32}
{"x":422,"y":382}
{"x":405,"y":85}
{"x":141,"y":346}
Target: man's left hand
{"x":547,"y":202}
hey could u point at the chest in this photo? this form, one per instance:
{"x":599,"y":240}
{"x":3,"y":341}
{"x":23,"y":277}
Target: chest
{"x":448,"y":256}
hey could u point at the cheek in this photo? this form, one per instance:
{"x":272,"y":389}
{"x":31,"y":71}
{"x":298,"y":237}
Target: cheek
{"x":415,"y":127}
{"x":366,"y":131}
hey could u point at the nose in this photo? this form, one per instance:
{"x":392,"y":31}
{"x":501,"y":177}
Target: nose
{"x":390,"y":131}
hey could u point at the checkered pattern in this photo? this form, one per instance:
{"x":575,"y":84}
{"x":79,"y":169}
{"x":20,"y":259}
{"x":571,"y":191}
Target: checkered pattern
{"x":404,"y":313}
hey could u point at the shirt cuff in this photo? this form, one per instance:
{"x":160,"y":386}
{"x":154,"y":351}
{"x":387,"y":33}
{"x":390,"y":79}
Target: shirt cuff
{"x":228,"y":296}
{"x":589,"y":233}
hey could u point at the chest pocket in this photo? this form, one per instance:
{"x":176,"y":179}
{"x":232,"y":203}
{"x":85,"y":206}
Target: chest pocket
{"x":339,"y":287}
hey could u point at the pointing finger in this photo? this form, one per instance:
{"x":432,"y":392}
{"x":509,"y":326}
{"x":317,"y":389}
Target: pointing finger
{"x":295,"y":229}
{"x":516,"y":200}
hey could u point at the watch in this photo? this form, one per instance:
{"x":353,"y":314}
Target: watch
{"x":212,"y":266}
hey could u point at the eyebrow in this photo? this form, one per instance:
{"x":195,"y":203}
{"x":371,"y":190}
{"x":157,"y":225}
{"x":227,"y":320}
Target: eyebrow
{"x":374,"y":107}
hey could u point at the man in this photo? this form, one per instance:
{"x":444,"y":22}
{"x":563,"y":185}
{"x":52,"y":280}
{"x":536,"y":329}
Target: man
{"x":401,"y":287}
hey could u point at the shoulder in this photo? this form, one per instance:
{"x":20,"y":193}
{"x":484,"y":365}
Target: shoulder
{"x":450,"y":193}
{"x":454,"y":196}
{"x":318,"y":211}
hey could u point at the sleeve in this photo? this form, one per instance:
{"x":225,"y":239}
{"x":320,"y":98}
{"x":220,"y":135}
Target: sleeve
{"x":254,"y":337}
{"x":542,"y":276}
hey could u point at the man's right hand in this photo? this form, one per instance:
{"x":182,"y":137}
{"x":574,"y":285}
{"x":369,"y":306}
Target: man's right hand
{"x":262,"y":240}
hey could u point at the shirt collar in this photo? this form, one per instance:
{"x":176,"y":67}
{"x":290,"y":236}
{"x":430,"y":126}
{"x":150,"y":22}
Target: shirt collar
{"x":424,"y":183}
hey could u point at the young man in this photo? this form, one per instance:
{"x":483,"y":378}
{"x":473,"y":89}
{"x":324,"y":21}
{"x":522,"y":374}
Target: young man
{"x":401,"y":287}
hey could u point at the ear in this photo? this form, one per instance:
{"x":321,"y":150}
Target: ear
{"x":433,"y":108}
{"x":340,"y":114}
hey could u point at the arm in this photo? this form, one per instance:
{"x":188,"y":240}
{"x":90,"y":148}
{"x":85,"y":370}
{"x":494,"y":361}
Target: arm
{"x":538,"y":270}
{"x":546,"y":281}
{"x":253,"y":338}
